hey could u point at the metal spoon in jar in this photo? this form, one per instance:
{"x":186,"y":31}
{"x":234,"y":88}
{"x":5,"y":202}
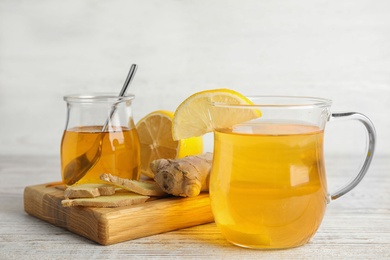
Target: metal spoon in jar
{"x":78,"y":167}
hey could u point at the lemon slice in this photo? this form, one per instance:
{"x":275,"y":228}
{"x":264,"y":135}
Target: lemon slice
{"x":195,"y":116}
{"x":155,"y":134}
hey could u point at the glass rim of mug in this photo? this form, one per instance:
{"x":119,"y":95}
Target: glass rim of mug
{"x":98,"y":97}
{"x":271,"y":101}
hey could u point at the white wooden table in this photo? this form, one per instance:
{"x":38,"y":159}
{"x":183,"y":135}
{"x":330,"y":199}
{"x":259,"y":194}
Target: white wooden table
{"x":356,"y":226}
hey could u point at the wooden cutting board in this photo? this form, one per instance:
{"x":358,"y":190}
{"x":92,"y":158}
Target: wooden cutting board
{"x":113,"y":225}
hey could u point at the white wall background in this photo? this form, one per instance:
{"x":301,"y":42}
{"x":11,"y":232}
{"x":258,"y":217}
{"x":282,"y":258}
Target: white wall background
{"x":49,"y":48}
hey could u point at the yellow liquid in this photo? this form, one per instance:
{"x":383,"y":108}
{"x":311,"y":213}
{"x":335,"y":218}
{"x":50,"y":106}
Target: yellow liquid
{"x":120,"y":152}
{"x":268,"y":187}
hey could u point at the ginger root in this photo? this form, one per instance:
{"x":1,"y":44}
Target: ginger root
{"x":139,"y":187}
{"x":185,"y":177}
{"x":88,"y":191}
{"x":112,"y":201}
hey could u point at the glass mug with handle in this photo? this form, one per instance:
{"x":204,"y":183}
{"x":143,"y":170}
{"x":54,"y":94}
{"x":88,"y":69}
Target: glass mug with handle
{"x":268,"y":187}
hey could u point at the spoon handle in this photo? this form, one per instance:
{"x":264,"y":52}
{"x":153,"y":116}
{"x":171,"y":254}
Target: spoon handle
{"x":129,"y":78}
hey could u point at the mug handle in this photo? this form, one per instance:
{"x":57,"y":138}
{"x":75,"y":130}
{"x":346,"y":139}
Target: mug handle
{"x":370,"y":149}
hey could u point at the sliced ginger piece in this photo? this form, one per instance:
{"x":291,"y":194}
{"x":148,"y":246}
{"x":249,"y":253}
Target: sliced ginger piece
{"x":113,"y":201}
{"x":147,"y":188}
{"x":88,"y":191}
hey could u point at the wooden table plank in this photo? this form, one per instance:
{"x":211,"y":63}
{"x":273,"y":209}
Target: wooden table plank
{"x":356,"y":226}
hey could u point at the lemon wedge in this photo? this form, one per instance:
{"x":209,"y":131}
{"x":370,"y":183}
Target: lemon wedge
{"x":155,"y":134}
{"x":195,"y":116}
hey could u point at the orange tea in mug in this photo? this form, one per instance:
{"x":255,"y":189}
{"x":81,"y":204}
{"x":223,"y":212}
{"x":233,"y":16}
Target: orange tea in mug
{"x":268,"y":184}
{"x":100,"y":137}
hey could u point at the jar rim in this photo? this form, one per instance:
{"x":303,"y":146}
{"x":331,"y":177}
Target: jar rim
{"x":98,"y":97}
